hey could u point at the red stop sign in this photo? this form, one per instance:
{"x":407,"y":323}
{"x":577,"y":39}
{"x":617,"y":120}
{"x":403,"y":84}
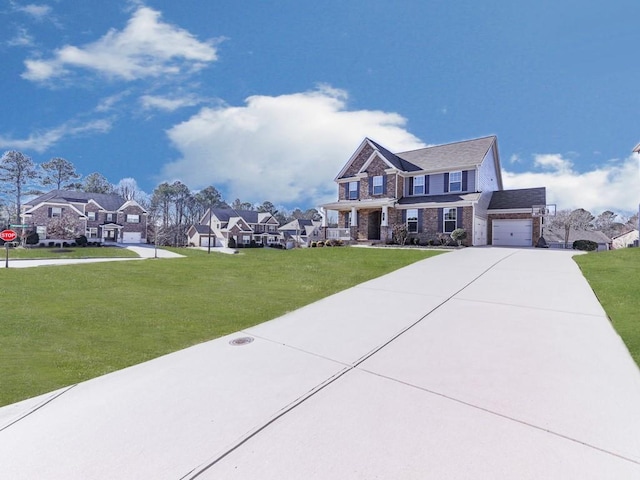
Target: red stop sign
{"x":8,"y":235}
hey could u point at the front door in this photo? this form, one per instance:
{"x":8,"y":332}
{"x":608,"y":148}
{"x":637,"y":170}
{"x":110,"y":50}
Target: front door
{"x":375,"y":218}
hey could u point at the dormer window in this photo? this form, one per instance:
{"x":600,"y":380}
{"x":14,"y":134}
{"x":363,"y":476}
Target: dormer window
{"x":418,"y":185}
{"x":455,"y":181}
{"x":353,"y":190}
{"x":378,"y":189}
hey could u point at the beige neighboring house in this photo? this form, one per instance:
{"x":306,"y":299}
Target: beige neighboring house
{"x":100,"y":217}
{"x":624,"y":240}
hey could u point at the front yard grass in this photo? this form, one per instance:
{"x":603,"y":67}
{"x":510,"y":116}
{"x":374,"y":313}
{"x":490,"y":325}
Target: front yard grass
{"x":615,"y":278}
{"x":20,"y":253}
{"x":64,"y":324}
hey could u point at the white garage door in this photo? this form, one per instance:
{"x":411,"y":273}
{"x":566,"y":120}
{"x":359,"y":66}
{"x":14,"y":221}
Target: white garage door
{"x":513,"y":233}
{"x":131,"y":237}
{"x":479,"y":231}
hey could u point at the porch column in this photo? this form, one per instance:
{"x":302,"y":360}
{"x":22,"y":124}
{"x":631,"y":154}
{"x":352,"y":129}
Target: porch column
{"x":323,"y":213}
{"x":353,"y":217}
{"x":385,"y":217}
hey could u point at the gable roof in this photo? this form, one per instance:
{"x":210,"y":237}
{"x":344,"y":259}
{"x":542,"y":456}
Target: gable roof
{"x":452,"y":156}
{"x":109,"y":202}
{"x":521,"y":198}
{"x":463,"y":155}
{"x":249,"y":216}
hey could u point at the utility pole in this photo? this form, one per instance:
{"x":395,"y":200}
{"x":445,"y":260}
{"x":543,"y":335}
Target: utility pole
{"x":209,"y":242}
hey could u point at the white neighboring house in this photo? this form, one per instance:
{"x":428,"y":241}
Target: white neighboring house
{"x":245,"y":227}
{"x":624,"y":240}
{"x":302,"y":231}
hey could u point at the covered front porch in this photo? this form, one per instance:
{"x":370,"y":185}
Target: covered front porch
{"x":360,"y":220}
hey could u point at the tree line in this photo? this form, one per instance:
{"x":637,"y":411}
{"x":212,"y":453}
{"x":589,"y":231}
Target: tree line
{"x":608,"y":222}
{"x":172,"y":207}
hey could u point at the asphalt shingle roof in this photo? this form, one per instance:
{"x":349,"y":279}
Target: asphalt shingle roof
{"x":459,"y":155}
{"x":522,"y":198}
{"x":110,"y":202}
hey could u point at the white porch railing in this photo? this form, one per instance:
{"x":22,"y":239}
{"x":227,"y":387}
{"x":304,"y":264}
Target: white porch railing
{"x":338,"y":234}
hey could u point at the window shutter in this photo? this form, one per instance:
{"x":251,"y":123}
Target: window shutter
{"x":459,"y":218}
{"x":370,"y":185}
{"x":465,"y":180}
{"x":346,"y":191}
{"x":446,"y":183}
{"x":440,"y":220}
{"x":384,"y":184}
{"x":420,"y":212}
{"x":426,"y":184}
{"x":49,"y":210}
{"x":404,"y":217}
{"x":410,"y":185}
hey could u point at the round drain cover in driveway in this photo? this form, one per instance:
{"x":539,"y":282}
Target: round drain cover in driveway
{"x":241,"y":341}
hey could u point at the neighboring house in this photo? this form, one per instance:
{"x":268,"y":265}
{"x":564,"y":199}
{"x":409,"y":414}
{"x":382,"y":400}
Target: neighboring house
{"x":433,"y":191}
{"x":244,"y":226}
{"x":555,"y":238}
{"x":100,"y":217}
{"x":302,"y":231}
{"x":624,"y":240}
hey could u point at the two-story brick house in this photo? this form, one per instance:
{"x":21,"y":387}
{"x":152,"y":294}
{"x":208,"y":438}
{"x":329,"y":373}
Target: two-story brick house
{"x":101,"y":217}
{"x":433,"y":191}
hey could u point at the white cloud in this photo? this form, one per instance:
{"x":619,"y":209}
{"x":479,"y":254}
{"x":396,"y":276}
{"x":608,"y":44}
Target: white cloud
{"x":612,"y":186}
{"x":285,"y":149}
{"x":38,"y":12}
{"x":153,"y":102}
{"x":21,"y":39}
{"x":42,"y":141}
{"x":146,"y":47}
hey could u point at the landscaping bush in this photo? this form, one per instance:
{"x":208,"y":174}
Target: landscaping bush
{"x":314,"y":244}
{"x":458,"y":235}
{"x":81,"y":241}
{"x":585,"y":245}
{"x":320,"y":243}
{"x":33,"y":238}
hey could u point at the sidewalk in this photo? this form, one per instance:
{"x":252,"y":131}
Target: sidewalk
{"x":144,"y":251}
{"x":483,"y":363}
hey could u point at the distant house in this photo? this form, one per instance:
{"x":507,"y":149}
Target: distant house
{"x":555,"y":238}
{"x":302,"y":231}
{"x":244,"y":227}
{"x":100,"y":217}
{"x":624,"y":240}
{"x":430,"y":192}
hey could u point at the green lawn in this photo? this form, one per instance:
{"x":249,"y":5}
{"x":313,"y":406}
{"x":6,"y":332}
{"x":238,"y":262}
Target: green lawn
{"x":71,"y":252}
{"x":64,"y":324}
{"x":615,"y":278}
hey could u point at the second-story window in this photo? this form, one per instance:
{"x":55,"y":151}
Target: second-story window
{"x":418,"y":185}
{"x":91,"y":216}
{"x":353,"y":190}
{"x":109,"y":217}
{"x":378,"y":188}
{"x":455,"y":181}
{"x":133,"y":218}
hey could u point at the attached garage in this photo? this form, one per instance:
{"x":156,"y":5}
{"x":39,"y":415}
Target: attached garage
{"x":512,"y":232}
{"x":131,"y":237}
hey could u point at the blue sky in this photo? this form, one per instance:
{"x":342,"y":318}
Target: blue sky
{"x":267,"y":100}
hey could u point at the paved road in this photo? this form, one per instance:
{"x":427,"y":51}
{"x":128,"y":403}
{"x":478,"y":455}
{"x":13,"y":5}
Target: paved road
{"x":483,"y":363}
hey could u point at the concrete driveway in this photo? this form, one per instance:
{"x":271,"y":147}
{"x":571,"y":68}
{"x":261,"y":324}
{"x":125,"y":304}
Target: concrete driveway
{"x":482,"y":363}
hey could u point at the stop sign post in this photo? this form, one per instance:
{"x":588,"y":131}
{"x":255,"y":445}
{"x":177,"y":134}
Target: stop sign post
{"x":7,"y":236}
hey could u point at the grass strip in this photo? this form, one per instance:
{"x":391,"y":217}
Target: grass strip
{"x":615,"y":278}
{"x":64,"y":324}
